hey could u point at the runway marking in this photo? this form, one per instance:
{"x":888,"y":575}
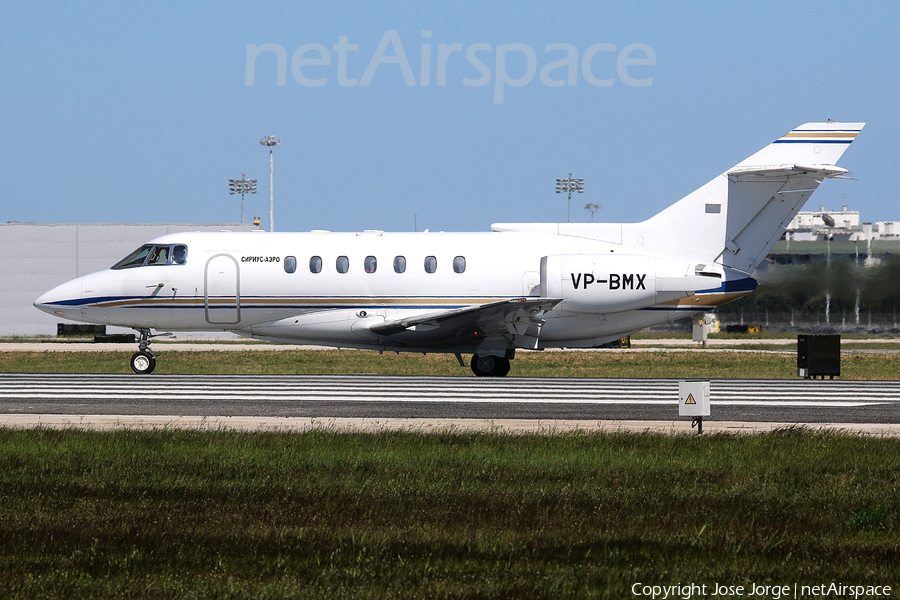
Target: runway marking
{"x":492,"y":400}
{"x":377,"y":388}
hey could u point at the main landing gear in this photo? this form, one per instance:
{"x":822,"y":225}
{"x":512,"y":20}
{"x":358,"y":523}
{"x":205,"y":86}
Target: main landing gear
{"x":143,"y":361}
{"x":490,"y":366}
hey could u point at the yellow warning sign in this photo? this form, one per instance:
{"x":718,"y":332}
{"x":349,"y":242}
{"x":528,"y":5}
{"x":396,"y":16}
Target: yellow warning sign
{"x":690,"y":399}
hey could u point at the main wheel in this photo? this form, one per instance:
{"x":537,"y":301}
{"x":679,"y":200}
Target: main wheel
{"x":490,"y":366}
{"x":142,"y":362}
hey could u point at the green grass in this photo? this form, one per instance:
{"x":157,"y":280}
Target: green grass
{"x":322,"y":514}
{"x":762,"y":344}
{"x":684,"y":363}
{"x":765,"y":334}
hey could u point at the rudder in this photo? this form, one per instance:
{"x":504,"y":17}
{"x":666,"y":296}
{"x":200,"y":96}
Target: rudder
{"x":735,"y":219}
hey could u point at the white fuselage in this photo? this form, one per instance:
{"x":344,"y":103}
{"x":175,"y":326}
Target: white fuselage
{"x":265,"y":285}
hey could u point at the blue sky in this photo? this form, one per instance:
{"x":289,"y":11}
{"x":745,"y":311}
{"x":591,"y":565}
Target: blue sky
{"x":114,"y":112}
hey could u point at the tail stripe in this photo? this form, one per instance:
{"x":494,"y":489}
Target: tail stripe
{"x":816,"y":141}
{"x":819,"y":136}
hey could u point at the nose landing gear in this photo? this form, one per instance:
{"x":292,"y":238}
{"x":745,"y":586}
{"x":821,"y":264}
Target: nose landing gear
{"x":143,"y":361}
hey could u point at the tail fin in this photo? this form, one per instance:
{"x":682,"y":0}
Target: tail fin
{"x":736,"y":218}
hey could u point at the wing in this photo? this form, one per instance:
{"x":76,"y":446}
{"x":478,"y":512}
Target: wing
{"x":517,"y":320}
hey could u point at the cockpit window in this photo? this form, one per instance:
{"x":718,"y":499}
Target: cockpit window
{"x":158,"y":256}
{"x":154,"y":254}
{"x":135,"y":259}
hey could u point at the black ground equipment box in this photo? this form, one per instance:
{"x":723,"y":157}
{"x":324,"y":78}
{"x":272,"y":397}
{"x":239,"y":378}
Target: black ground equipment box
{"x":818,"y":356}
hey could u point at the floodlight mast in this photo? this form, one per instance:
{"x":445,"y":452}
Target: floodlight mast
{"x":593,"y":207}
{"x":570,"y":184}
{"x":242,"y":186}
{"x":271,"y":141}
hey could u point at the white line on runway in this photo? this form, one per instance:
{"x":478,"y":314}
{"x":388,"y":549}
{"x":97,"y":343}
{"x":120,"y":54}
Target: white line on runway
{"x":387,"y":397}
{"x":363,"y":388}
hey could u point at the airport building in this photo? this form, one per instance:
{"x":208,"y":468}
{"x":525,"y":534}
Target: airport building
{"x":37,"y":257}
{"x":814,"y":236}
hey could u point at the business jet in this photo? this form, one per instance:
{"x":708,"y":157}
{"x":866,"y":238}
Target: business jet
{"x":520,"y":286}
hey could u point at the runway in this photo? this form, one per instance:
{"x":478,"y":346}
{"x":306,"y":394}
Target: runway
{"x":26,"y":398}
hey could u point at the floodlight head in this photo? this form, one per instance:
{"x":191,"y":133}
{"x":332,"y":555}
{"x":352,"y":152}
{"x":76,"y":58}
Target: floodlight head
{"x":242,"y":186}
{"x":270,"y":140}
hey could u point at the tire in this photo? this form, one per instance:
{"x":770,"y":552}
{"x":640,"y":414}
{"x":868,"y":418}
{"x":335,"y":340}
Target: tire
{"x":142,"y":362}
{"x":502,"y":367}
{"x":490,"y":366}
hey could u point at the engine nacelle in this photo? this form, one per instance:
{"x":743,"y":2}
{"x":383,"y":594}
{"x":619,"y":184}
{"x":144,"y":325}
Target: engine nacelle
{"x":598,"y":283}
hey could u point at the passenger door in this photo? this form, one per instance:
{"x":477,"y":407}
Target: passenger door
{"x":222,"y":290}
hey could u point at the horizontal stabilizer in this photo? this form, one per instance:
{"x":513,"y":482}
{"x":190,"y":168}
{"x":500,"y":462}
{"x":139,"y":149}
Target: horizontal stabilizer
{"x":789,"y":170}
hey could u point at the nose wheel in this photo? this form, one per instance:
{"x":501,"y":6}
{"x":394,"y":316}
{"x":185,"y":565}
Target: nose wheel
{"x":142,"y":362}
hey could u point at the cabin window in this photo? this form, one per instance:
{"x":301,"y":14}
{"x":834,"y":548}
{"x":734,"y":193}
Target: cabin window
{"x":399,"y":264}
{"x":342,"y":264}
{"x":371,"y":264}
{"x":290,"y":264}
{"x":459,"y":264}
{"x":315,"y":264}
{"x":430,"y":264}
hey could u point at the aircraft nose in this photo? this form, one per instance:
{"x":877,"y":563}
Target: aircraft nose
{"x":64,"y":300}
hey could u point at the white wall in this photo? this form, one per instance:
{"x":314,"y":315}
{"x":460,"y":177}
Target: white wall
{"x":37,"y":257}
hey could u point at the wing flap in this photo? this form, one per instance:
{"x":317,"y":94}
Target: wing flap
{"x":513,"y":318}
